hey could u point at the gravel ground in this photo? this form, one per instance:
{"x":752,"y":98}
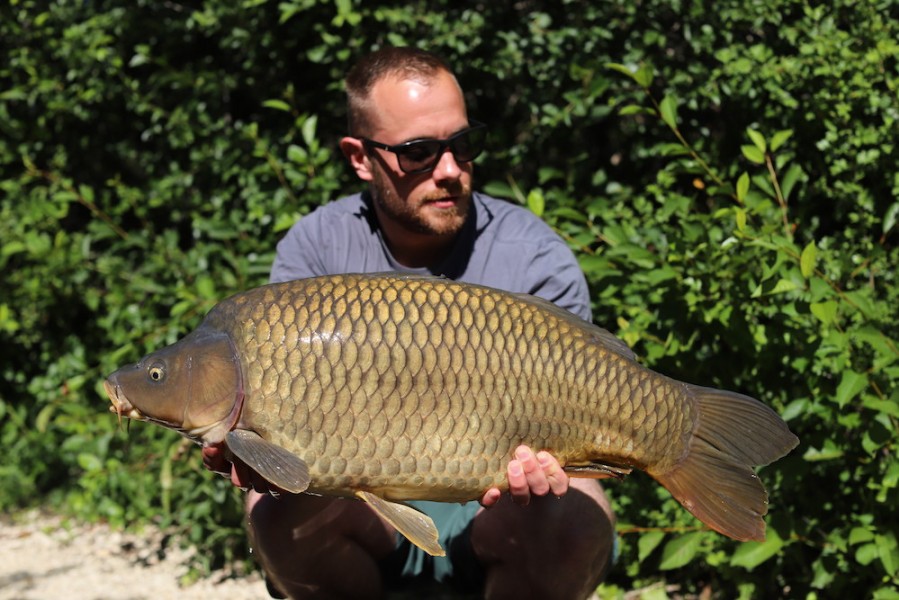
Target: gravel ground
{"x":43,"y":557}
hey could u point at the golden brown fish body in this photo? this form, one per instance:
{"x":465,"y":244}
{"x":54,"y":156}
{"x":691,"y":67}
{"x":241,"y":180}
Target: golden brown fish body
{"x":402,"y":387}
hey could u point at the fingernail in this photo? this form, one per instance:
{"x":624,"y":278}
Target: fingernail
{"x":515,"y":468}
{"x":544,"y":459}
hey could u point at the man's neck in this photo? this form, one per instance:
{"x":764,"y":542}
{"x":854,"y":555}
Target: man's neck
{"x":416,"y":250}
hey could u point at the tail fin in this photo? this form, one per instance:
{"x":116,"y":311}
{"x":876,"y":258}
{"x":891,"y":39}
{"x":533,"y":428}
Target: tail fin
{"x":715,"y":480}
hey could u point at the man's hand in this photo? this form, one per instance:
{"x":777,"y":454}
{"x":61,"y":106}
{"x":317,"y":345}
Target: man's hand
{"x":218,"y":459}
{"x":530,"y":474}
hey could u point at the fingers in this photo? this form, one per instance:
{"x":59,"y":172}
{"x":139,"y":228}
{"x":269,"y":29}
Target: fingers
{"x":241,"y":476}
{"x":217,"y":459}
{"x":491,"y":497}
{"x":555,"y":476}
{"x":246,"y":478}
{"x":535,"y":474}
{"x":214,"y":460}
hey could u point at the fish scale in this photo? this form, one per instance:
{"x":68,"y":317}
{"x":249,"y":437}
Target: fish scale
{"x":396,"y":387}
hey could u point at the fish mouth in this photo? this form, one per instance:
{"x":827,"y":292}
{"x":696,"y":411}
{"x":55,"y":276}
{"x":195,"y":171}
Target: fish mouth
{"x":120,"y":405}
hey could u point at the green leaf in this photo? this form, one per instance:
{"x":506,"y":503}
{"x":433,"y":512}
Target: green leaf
{"x":826,"y":312}
{"x":182,"y":307}
{"x":830,"y":451}
{"x":623,"y":69}
{"x":741,"y":219}
{"x":655,"y":593}
{"x":789,"y":180}
{"x":206,"y":287}
{"x":297,"y":154}
{"x":866,"y":554}
{"x":851,"y":385}
{"x":536,"y":202}
{"x":888,"y":551}
{"x":784,"y":285}
{"x":564,"y":212}
{"x":758,"y":139}
{"x":668,"y":111}
{"x":631,"y":109}
{"x":878,"y":341}
{"x":778,"y":139}
{"x":885,"y":593}
{"x":42,"y":422}
{"x":889,"y":407}
{"x":277,"y":105}
{"x":644,"y":75}
{"x":749,"y":555}
{"x":309,"y":126}
{"x":889,"y":219}
{"x":823,"y":576}
{"x":753,"y":154}
{"x":859,"y":535}
{"x":807,"y":260}
{"x":742,"y":189}
{"x":165,"y":473}
{"x":794,"y":409}
{"x":87,"y":193}
{"x":648,"y":542}
{"x":680,"y":551}
{"x":89,"y":462}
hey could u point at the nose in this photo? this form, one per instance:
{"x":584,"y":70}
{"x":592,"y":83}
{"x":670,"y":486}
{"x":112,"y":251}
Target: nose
{"x":447,"y":168}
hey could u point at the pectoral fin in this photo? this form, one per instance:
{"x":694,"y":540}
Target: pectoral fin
{"x":274,"y":463}
{"x":413,"y":524}
{"x":596,"y":470}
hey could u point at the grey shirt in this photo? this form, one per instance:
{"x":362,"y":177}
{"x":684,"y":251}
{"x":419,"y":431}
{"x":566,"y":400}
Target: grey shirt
{"x":501,"y":245}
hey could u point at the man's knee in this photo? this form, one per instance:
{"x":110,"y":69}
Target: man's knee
{"x":318,"y":547}
{"x":563,"y":544}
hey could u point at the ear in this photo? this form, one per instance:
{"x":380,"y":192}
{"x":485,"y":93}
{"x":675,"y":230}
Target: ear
{"x":355,"y":153}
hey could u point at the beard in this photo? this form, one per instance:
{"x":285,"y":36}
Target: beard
{"x":422,"y":216}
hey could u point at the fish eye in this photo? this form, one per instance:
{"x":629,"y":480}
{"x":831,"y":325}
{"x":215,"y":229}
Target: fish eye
{"x":156,"y":372}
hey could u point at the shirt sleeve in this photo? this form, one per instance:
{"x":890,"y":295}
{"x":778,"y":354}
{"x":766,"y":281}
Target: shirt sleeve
{"x":558,"y":278}
{"x":298,"y":253}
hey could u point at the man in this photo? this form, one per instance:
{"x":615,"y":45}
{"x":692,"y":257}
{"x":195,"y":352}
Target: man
{"x":413,"y":144}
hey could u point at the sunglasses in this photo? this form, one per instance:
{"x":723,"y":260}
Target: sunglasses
{"x":421,"y":156}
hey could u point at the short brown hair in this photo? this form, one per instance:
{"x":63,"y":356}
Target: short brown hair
{"x":400,"y":62}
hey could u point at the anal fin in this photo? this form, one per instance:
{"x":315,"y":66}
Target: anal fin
{"x":276,"y":464}
{"x":415,"y":525}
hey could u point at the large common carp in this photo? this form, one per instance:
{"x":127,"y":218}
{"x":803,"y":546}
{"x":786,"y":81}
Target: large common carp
{"x":394,"y":387}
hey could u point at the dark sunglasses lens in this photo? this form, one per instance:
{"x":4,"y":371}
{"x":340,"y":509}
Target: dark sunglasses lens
{"x":419,"y":156}
{"x":467,"y":145}
{"x":422,"y":156}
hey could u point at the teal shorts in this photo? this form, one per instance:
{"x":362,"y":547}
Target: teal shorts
{"x":459,"y":569}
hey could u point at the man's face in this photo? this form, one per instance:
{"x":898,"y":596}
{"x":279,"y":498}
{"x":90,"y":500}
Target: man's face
{"x":434,"y":203}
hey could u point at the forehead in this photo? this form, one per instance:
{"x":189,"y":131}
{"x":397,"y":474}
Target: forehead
{"x":403,"y":109}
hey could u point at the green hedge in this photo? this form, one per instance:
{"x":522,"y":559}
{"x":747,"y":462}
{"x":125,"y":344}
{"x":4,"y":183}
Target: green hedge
{"x":727,"y":177}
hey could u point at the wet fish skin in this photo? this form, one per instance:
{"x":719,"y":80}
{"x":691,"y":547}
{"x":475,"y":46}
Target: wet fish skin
{"x":401,"y":387}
